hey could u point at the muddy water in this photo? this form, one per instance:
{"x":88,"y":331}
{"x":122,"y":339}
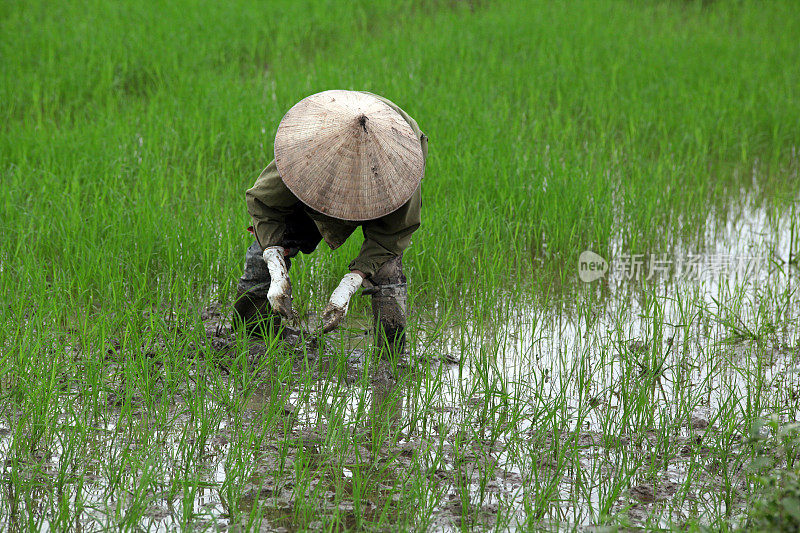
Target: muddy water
{"x":709,"y":328}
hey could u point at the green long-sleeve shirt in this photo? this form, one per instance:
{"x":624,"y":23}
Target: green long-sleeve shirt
{"x":270,"y":202}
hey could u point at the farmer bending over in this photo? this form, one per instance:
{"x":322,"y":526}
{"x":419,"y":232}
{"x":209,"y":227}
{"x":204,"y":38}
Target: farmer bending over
{"x":343,"y":159}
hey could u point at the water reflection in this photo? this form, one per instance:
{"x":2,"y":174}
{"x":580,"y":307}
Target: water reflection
{"x":386,"y":409}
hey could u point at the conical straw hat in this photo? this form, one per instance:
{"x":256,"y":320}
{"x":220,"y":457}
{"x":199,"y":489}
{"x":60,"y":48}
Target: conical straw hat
{"x":348,"y":155}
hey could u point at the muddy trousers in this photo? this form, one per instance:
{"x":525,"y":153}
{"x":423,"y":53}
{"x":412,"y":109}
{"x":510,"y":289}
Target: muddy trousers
{"x":387,"y":288}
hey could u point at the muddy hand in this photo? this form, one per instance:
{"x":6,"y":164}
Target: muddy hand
{"x":340,"y":299}
{"x":280,"y":287}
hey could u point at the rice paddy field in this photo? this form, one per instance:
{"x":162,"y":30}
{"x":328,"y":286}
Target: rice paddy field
{"x":662,"y":137}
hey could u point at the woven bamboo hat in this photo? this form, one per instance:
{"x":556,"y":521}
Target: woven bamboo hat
{"x":348,"y":154}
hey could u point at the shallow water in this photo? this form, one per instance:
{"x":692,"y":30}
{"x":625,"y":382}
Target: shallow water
{"x":700,"y":335}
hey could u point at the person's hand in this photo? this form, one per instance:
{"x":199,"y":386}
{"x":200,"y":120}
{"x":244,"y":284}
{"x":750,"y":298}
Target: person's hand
{"x":340,"y":299}
{"x":280,"y":288}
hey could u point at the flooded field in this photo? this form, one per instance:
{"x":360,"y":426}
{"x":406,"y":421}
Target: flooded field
{"x":633,"y":402}
{"x":603,"y":329}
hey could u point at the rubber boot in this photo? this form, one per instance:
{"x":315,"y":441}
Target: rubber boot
{"x":389,"y":308}
{"x":254,"y":316}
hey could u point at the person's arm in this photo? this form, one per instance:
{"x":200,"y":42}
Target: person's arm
{"x":269,"y":201}
{"x":388,"y":236}
{"x":384,"y":238}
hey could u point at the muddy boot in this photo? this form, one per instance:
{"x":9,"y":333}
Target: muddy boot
{"x":389,"y":308}
{"x":253,"y":315}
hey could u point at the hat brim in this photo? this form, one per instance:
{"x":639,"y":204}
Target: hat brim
{"x":349,"y":155}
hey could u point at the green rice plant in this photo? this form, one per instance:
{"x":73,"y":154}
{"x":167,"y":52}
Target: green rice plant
{"x":130,"y":134}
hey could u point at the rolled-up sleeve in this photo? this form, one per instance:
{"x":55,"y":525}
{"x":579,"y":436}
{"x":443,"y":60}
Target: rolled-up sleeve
{"x":269,"y":201}
{"x":388,"y":236}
